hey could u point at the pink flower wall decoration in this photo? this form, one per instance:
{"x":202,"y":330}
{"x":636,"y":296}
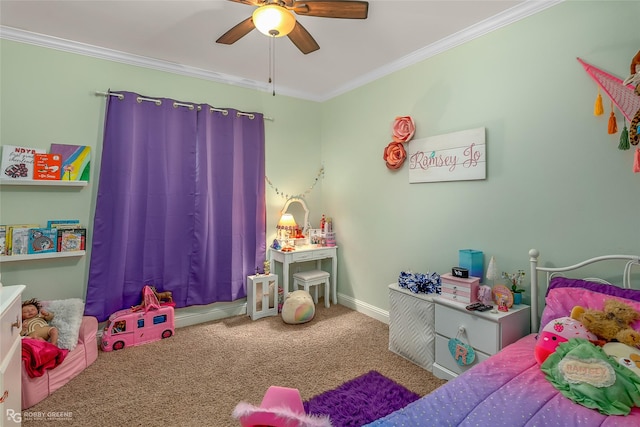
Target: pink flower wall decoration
{"x":403,"y":129}
{"x":394,"y":155}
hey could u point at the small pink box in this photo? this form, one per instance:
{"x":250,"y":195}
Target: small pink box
{"x":460,"y":289}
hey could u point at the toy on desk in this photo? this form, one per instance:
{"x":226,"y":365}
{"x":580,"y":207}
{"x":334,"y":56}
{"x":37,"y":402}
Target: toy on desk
{"x":502,"y":304}
{"x":484,"y":295}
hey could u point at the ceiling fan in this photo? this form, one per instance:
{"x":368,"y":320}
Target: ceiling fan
{"x":284,"y":22}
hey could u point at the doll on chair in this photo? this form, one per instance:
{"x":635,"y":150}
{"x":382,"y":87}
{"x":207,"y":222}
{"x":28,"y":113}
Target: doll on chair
{"x":35,"y":322}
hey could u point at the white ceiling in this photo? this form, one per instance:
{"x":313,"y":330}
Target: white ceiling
{"x":179,"y":35}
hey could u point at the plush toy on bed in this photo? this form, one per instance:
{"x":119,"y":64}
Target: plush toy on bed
{"x":612,"y":323}
{"x":558,"y":331}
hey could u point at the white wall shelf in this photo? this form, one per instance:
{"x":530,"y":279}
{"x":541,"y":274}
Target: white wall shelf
{"x":45,"y":183}
{"x":11,"y":258}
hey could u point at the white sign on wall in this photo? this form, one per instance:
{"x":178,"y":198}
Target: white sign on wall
{"x":457,"y":156}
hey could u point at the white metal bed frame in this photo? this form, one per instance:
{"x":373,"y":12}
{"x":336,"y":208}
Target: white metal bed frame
{"x":559,"y":271}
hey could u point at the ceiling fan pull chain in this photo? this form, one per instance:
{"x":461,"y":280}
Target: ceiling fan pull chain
{"x":272,"y":66}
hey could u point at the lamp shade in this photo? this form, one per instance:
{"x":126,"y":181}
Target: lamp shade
{"x":273,"y":20}
{"x":287,"y":222}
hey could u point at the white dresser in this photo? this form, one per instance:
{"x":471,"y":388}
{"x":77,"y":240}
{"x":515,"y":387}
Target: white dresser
{"x":486,"y":332}
{"x":10,"y":355}
{"x":412,"y":326}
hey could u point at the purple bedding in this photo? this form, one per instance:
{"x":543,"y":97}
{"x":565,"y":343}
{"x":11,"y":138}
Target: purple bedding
{"x":508,"y":389}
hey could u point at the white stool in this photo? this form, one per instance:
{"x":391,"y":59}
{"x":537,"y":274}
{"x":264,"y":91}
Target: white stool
{"x":259,"y":291}
{"x":310,"y":278}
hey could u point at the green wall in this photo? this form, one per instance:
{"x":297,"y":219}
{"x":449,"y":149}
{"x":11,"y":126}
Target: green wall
{"x":555,"y":179}
{"x":49,"y":96}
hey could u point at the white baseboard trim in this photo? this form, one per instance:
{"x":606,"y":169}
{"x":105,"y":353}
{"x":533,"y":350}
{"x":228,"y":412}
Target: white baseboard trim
{"x":364,"y":308}
{"x":200,"y":314}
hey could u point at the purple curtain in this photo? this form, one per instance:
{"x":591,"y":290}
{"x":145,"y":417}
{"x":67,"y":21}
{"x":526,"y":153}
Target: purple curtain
{"x":180,"y":204}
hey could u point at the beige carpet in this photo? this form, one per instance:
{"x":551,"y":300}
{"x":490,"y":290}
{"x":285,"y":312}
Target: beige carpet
{"x":198,"y":376}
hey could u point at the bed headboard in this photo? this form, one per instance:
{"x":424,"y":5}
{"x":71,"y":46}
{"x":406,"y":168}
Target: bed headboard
{"x":550,"y":272}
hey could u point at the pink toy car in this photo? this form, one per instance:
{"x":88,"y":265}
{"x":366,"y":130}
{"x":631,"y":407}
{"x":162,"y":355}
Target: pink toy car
{"x":142,"y":324}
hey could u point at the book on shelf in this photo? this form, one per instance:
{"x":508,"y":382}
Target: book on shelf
{"x":47,"y":167}
{"x":52,"y":222}
{"x":71,"y":239}
{"x":66,"y":226}
{"x":42,"y":240}
{"x":76,"y":161}
{"x":3,"y":240}
{"x":18,"y":238}
{"x":17,"y":162}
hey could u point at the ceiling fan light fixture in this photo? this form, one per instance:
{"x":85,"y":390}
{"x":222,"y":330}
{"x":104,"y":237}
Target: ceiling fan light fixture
{"x":273,"y":20}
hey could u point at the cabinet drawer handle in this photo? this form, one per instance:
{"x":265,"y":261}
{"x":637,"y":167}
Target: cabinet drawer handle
{"x":5,"y":396}
{"x":16,"y":324}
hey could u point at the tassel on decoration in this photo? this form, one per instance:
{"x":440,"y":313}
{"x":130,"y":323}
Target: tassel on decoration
{"x":636,"y":162}
{"x":598,"y":108}
{"x":613,"y":123}
{"x":624,"y":138}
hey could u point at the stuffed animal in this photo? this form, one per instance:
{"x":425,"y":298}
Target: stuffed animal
{"x":625,"y":355}
{"x":558,"y":331}
{"x":634,"y":79}
{"x":298,"y":308}
{"x":611,"y":323}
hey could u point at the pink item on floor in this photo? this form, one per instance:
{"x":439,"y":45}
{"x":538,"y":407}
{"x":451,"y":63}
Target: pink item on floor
{"x":636,"y":162}
{"x":280,"y":407}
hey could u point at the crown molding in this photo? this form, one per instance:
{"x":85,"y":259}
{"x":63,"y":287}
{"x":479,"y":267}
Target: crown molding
{"x":507,"y":17}
{"x":503,"y":19}
{"x":50,"y":42}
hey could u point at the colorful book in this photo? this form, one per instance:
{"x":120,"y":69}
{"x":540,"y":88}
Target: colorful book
{"x":17,"y":162}
{"x":47,"y":167}
{"x":71,"y":239}
{"x":19,"y":240}
{"x":76,"y":161}
{"x":61,"y":222}
{"x":42,"y":240}
{"x":22,"y":244}
{"x":3,"y":240}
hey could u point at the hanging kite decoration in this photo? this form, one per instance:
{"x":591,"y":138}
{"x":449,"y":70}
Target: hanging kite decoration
{"x":626,"y":96}
{"x":621,"y":94}
{"x":634,"y":80}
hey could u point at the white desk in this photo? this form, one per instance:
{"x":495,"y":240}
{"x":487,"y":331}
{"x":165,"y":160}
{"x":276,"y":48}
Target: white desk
{"x":304,"y":254}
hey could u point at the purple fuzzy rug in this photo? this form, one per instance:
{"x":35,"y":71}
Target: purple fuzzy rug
{"x":361,"y":400}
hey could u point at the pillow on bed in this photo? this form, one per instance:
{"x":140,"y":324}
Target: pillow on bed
{"x":584,"y":373}
{"x":67,"y":318}
{"x":603,"y":288}
{"x":564,"y":294}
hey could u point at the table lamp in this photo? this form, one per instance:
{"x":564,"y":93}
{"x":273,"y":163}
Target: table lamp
{"x":286,"y":226}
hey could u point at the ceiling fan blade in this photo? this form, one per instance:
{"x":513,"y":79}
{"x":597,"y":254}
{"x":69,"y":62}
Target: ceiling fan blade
{"x":249,"y":2}
{"x":302,"y":39}
{"x":237,"y":32}
{"x":332,"y":8}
